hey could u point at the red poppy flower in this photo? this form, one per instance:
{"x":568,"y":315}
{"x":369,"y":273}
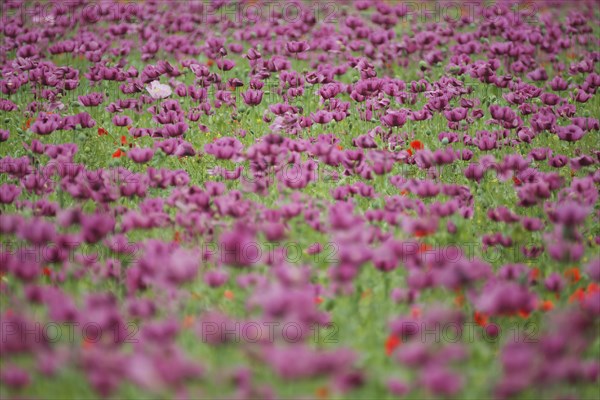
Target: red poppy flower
{"x":118,"y":153}
{"x":578,"y":295}
{"x":102,"y":132}
{"x":87,"y":344}
{"x":391,"y":344}
{"x":421,"y":233}
{"x":523,"y":314}
{"x":480,"y":318}
{"x":534,"y":273}
{"x":424,"y":247}
{"x":416,"y":145}
{"x":415,"y":312}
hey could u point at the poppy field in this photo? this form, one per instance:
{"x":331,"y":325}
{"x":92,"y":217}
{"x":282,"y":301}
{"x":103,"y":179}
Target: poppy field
{"x":299,"y":199}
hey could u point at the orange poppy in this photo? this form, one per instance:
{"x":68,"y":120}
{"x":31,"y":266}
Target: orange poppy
{"x":102,"y":132}
{"x":572,"y":274}
{"x":409,"y":151}
{"x":123,"y":140}
{"x":318,"y":300}
{"x":228,"y":295}
{"x":46,"y":271}
{"x":27,"y":123}
{"x":546,"y":305}
{"x":188,"y":321}
{"x":322,"y":392}
{"x":459,"y":300}
{"x":177,"y":237}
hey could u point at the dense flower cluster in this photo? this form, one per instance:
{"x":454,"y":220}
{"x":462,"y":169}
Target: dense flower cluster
{"x":217,"y":188}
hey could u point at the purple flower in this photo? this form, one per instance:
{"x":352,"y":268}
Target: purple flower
{"x":554,"y":282}
{"x":140,"y":155}
{"x":558,"y":84}
{"x":92,"y":99}
{"x":96,"y":226}
{"x":297,"y":47}
{"x":121,"y":120}
{"x":14,"y":377}
{"x":46,"y":124}
{"x":252,"y":97}
{"x":571,"y":133}
{"x":394,"y":118}
{"x":4,"y":135}
{"x":9,"y":193}
{"x":570,"y":213}
{"x":593,"y":269}
{"x":321,"y":117}
{"x":441,"y":382}
{"x":216,"y":278}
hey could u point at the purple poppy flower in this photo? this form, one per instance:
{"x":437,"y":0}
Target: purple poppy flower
{"x":92,"y":99}
{"x":121,"y":120}
{"x":96,"y":226}
{"x":554,"y":282}
{"x":46,"y":124}
{"x":140,"y":155}
{"x":216,"y":278}
{"x":14,"y":377}
{"x":571,"y":133}
{"x":593,"y":269}
{"x":297,"y":47}
{"x":9,"y":193}
{"x":321,"y":117}
{"x":252,"y":97}
{"x":394,"y":118}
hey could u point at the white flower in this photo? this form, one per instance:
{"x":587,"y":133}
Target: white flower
{"x":159,"y":91}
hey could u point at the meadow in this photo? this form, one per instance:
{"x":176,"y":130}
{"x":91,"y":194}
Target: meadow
{"x":299,"y":200}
